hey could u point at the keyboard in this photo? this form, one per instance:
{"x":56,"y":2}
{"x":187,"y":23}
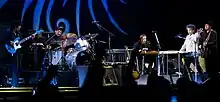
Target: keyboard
{"x":117,"y":51}
{"x":186,"y":53}
{"x":149,"y":52}
{"x":173,"y":52}
{"x":114,"y":63}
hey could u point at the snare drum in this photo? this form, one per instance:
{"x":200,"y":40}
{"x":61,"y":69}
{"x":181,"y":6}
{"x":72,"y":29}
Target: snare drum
{"x":81,"y":44}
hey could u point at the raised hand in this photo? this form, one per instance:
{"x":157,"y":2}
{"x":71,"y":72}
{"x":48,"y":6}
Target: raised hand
{"x":12,"y":43}
{"x":200,"y":30}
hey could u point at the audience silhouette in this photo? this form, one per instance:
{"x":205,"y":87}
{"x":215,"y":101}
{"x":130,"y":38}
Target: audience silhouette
{"x":45,"y":90}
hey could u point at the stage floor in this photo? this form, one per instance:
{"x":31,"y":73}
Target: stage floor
{"x":29,"y":89}
{"x":25,"y":93}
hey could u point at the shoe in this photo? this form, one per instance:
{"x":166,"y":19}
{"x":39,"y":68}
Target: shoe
{"x":13,"y":87}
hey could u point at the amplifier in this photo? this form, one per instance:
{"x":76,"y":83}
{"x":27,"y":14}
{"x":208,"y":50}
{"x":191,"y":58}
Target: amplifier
{"x":117,"y":55}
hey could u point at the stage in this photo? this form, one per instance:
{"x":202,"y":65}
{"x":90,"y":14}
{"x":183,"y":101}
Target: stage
{"x":25,"y":93}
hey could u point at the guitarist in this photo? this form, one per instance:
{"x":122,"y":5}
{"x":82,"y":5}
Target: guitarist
{"x":6,"y":38}
{"x":14,"y":61}
{"x":209,"y":48}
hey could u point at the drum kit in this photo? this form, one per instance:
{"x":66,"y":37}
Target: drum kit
{"x":72,"y":51}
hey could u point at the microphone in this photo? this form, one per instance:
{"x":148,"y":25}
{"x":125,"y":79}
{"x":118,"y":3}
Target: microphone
{"x":154,"y":31}
{"x":95,"y":21}
{"x":180,"y":36}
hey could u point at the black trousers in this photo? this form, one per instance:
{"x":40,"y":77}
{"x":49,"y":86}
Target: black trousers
{"x":10,"y":66}
{"x":4,"y":69}
{"x":188,"y":60}
{"x":212,"y":61}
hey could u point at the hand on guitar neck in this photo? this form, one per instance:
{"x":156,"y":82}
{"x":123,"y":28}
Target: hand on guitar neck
{"x":12,"y":43}
{"x":33,"y":36}
{"x":128,"y":54}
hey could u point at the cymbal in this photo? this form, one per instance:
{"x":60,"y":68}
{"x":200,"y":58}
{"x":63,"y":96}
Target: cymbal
{"x":91,"y":35}
{"x":102,"y":42}
{"x":71,"y":35}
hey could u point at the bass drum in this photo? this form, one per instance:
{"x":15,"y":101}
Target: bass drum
{"x":81,"y":44}
{"x":55,"y":57}
{"x":77,"y":58}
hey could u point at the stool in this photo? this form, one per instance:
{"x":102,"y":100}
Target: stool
{"x":110,"y":76}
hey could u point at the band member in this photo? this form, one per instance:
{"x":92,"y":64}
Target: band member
{"x":209,"y":48}
{"x":143,"y":44}
{"x":12,"y":60}
{"x":56,"y":41}
{"x":191,"y":46}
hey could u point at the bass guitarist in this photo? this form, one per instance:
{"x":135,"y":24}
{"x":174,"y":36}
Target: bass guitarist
{"x":209,"y":48}
{"x":12,"y":60}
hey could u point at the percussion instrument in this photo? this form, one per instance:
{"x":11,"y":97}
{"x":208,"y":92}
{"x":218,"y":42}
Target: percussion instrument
{"x":71,"y":36}
{"x":81,"y":44}
{"x":76,"y":58}
{"x":55,"y":56}
{"x":70,"y":39}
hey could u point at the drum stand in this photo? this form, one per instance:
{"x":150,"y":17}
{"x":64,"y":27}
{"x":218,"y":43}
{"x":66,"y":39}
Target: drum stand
{"x":62,"y":62}
{"x":46,"y":62}
{"x":92,"y":50}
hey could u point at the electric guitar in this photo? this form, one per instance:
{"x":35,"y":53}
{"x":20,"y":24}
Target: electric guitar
{"x":17,"y":43}
{"x":204,"y":48}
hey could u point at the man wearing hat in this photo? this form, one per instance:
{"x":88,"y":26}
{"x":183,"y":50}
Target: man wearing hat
{"x":209,"y":48}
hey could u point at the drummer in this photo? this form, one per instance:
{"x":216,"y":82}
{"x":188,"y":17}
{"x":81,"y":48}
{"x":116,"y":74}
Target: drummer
{"x":56,"y":41}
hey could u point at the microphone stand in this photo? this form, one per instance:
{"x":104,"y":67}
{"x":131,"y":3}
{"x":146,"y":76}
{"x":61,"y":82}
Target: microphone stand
{"x":158,"y":56}
{"x":49,"y":39}
{"x":109,"y":37}
{"x":46,"y":62}
{"x":110,"y":34}
{"x":195,"y":59}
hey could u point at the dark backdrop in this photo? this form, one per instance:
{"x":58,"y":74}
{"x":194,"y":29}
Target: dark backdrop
{"x":132,"y":16}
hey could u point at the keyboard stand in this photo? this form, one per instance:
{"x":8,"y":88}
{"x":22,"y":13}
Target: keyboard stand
{"x":110,"y":77}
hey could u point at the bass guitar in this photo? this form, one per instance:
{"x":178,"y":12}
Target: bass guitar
{"x":17,"y":43}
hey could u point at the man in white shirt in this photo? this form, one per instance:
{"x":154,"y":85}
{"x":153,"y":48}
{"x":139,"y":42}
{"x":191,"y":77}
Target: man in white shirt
{"x":191,"y":41}
{"x":191,"y":45}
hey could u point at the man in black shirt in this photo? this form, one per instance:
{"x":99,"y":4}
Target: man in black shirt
{"x":209,"y":48}
{"x":7,"y":59}
{"x":56,"y":41}
{"x":141,"y":45}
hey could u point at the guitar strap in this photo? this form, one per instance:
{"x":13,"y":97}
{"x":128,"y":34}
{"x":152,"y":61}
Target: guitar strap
{"x":208,"y":37}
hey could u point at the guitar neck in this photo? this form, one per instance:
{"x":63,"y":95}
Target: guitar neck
{"x":25,"y":39}
{"x":126,"y":48}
